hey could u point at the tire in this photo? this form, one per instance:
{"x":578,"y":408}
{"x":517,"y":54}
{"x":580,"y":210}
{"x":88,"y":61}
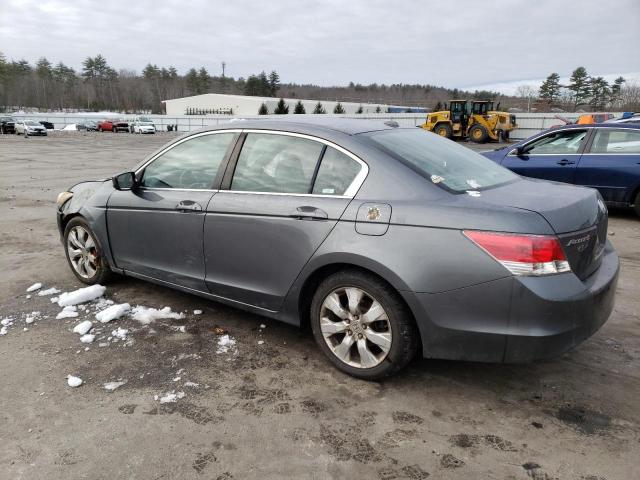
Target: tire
{"x":99,"y":271}
{"x":100,"y":129}
{"x":444,"y":130}
{"x":478,"y":134}
{"x":504,"y":134}
{"x":393,"y":326}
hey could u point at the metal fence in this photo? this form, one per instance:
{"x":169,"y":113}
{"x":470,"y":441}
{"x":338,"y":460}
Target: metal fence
{"x":528,"y":123}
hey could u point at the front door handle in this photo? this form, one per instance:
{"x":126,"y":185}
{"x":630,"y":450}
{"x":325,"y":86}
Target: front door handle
{"x":189,"y":206}
{"x":564,"y":161}
{"x":307,"y":212}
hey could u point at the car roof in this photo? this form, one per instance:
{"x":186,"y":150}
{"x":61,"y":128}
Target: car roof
{"x":597,"y":125}
{"x":349,"y":126}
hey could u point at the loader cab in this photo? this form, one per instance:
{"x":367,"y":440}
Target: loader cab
{"x":459,"y":110}
{"x":481,"y":107}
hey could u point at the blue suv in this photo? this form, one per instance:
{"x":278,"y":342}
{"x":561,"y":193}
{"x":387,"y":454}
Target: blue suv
{"x":604,"y":156}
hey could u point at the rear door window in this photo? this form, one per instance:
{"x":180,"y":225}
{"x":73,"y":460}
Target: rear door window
{"x":336,"y":173}
{"x":564,"y":142}
{"x":276,"y":163}
{"x":616,"y":141}
{"x":192,"y":164}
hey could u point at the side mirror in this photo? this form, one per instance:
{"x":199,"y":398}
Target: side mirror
{"x":520,"y":151}
{"x":124,"y":181}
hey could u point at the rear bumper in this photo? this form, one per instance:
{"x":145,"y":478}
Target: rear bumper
{"x":516,"y":319}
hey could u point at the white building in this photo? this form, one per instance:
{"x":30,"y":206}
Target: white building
{"x":242,"y":105}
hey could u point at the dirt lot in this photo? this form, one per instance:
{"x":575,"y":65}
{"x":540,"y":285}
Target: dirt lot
{"x":276,"y":409}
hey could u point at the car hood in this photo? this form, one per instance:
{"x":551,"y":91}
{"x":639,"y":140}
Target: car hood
{"x":567,"y":208}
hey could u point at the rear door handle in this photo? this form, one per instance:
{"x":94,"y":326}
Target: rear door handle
{"x":564,"y":161}
{"x":189,"y":206}
{"x":307,"y":212}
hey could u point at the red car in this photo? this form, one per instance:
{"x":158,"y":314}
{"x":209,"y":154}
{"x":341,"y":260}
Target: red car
{"x":114,"y":126}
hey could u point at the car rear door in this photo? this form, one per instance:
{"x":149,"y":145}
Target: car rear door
{"x":611,"y":163}
{"x":282,"y":195}
{"x":155,"y":230}
{"x":553,"y":156}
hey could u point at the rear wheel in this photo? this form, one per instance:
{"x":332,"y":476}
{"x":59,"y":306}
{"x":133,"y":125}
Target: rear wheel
{"x":362,"y":325}
{"x":478,"y":134}
{"x":444,"y":130}
{"x":84,"y":253}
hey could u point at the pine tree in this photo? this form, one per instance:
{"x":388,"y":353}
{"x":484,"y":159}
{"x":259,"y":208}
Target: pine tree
{"x":600,"y":92}
{"x":265,"y":87}
{"x":299,"y":108}
{"x":252,"y":86}
{"x":616,"y":89}
{"x":274,"y":83}
{"x":203,"y":80}
{"x":579,"y":85}
{"x":550,"y":88}
{"x":338,"y":108}
{"x":263,"y":110}
{"x":319,"y":109}
{"x":192,"y":82}
{"x":282,"y":108}
{"x":360,"y":110}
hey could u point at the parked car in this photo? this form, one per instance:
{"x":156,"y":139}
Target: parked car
{"x":605,"y":156}
{"x":87,"y":125}
{"x":7,"y":125}
{"x":114,"y":126}
{"x":142,"y":125}
{"x":29,"y":128}
{"x":386,"y":240}
{"x":46,"y":124}
{"x":631,"y":118}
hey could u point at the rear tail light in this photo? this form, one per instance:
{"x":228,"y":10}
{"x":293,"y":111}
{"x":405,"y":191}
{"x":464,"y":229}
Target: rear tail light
{"x":523,"y":254}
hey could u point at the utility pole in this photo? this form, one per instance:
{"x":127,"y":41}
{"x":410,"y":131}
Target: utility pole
{"x":224,"y":64}
{"x":223,"y":80}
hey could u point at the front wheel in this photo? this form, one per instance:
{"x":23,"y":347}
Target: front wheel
{"x":444,"y":130}
{"x":478,"y":134}
{"x":362,"y":325}
{"x":84,"y":253}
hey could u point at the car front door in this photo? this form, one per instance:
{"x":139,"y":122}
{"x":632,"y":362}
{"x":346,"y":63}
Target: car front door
{"x":553,"y":156}
{"x":155,"y":230}
{"x":282,"y":195}
{"x":611,"y":164}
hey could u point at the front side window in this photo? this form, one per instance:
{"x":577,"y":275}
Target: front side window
{"x":276,"y":163}
{"x":440,"y":160}
{"x":616,"y":141}
{"x":192,"y":164}
{"x":565,"y":142}
{"x":336,"y":173}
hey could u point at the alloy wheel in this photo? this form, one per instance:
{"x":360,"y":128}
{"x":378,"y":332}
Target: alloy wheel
{"x":83,"y":252}
{"x":355,"y":327}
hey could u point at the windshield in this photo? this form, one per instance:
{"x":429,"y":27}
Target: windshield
{"x":442,"y":161}
{"x":31,"y":123}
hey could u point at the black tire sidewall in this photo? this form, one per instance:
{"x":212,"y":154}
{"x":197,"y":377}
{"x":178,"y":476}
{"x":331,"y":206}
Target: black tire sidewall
{"x":103,"y":272}
{"x":397,"y":313}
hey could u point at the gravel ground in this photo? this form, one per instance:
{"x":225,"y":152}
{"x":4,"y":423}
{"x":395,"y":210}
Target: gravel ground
{"x":275,"y":409}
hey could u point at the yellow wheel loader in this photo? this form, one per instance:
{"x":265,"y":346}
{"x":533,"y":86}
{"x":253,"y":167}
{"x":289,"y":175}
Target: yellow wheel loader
{"x":479,"y":121}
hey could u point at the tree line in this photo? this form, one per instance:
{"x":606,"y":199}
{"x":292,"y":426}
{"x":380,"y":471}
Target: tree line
{"x":584,"y":92}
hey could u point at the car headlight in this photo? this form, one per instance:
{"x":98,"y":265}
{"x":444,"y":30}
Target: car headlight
{"x":63,"y":198}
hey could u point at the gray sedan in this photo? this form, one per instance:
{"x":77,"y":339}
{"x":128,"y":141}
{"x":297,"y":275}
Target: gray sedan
{"x":388,"y":241}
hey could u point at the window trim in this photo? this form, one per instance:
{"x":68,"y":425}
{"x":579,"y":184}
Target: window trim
{"x":223,"y":164}
{"x":612,"y":129}
{"x":350,"y":192}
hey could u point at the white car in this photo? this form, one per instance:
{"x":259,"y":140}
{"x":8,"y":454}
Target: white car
{"x":142,"y":125}
{"x":30,"y":127}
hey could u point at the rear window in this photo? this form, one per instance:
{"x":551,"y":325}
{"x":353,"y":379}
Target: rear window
{"x":442,"y":161}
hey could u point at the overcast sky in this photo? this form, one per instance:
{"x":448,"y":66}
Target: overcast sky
{"x":332,"y":42}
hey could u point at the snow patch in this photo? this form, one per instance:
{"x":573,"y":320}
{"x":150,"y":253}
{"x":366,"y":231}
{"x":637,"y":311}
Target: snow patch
{"x":87,"y":338}
{"x":226,"y":343}
{"x":111,"y":386}
{"x":34,"y":287}
{"x":81,"y":295}
{"x":68,"y":312}
{"x":197,"y":312}
{"x":83,"y":327}
{"x":171,"y":397}
{"x":49,"y":291}
{"x":147,"y":315}
{"x":191,"y":384}
{"x":113,"y":312}
{"x":120,"y":333}
{"x":74,"y":381}
{"x":3,"y":331}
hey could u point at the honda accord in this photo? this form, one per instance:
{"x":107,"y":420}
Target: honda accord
{"x":387,"y":241}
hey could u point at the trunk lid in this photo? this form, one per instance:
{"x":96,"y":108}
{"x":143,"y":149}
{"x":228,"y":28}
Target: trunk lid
{"x":577,"y":215}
